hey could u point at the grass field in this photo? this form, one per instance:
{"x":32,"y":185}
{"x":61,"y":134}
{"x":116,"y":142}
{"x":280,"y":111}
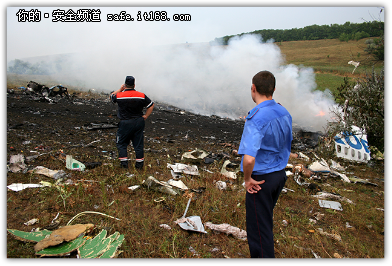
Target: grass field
{"x":329,"y":59}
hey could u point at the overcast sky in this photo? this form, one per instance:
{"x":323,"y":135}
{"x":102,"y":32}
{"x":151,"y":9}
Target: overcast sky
{"x":27,"y":39}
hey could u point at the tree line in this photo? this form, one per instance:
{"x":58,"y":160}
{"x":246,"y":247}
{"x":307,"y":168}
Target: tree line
{"x":347,"y":31}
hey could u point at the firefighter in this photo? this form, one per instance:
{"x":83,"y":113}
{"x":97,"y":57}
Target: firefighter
{"x":131,"y":104}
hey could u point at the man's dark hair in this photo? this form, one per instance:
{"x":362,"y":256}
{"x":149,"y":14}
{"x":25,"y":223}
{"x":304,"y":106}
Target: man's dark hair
{"x":264,"y":82}
{"x":130,"y":86}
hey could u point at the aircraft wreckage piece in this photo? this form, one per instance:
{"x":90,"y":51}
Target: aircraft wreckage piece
{"x":98,"y":247}
{"x":66,"y":233}
{"x":64,"y":249}
{"x":29,"y":236}
{"x":179,"y":168}
{"x":330,"y":204}
{"x":196,"y":155}
{"x":161,"y":186}
{"x":101,"y":246}
{"x":230,"y":174}
{"x":56,"y":174}
{"x":191,"y":223}
{"x":326,"y":195}
{"x":352,"y":146}
{"x":73,"y":164}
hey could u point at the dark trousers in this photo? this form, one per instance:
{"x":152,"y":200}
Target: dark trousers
{"x":259,"y":214}
{"x":131,"y":130}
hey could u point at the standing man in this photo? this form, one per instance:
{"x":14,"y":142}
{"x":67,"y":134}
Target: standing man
{"x":265,"y":148}
{"x":132,"y":120}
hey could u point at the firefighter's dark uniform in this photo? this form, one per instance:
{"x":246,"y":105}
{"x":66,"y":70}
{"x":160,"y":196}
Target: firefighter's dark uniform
{"x":131,"y":126}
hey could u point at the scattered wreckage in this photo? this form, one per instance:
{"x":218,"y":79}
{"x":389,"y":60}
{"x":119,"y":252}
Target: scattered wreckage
{"x":352,"y":146}
{"x":42,"y":93}
{"x":69,"y":238}
{"x":39,"y":89}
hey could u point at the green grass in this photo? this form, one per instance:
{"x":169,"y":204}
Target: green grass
{"x":328,"y":81}
{"x":329,"y":59}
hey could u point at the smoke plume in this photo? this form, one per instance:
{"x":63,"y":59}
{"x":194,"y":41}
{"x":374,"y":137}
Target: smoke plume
{"x":206,"y":79}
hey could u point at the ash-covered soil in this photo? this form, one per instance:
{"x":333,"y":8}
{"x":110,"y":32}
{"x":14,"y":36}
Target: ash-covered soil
{"x":78,"y":121}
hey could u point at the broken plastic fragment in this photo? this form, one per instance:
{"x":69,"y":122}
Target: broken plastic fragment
{"x":195,"y":155}
{"x":311,"y":250}
{"x":326,"y":195}
{"x":161,"y":186}
{"x":230,"y":174}
{"x":32,"y":221}
{"x":330,"y":204}
{"x":73,"y":164}
{"x":20,"y":186}
{"x":179,"y":168}
{"x":178,"y":184}
{"x":319,"y":166}
{"x":133,"y":188}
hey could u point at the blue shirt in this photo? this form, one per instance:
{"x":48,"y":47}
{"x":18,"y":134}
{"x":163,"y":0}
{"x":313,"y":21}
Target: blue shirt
{"x":267,"y":136}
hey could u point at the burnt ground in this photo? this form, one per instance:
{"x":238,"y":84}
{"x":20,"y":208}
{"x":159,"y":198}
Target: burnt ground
{"x":78,"y":121}
{"x":84,"y":126}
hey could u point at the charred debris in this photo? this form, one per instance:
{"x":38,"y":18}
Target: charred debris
{"x":170,"y":123}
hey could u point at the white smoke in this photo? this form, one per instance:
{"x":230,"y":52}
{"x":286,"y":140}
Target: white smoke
{"x":206,"y":79}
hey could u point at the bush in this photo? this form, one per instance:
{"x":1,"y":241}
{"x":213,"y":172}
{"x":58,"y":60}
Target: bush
{"x":361,"y":105}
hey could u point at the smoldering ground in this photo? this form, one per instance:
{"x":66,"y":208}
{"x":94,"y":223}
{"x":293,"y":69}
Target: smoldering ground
{"x":203,"y":78}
